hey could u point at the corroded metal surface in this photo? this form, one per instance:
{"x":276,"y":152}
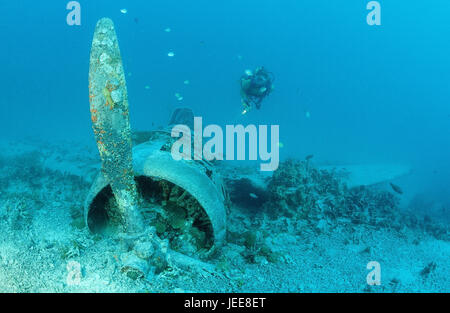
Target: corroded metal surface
{"x":196,"y":177}
{"x":110,"y":119}
{"x":120,"y":164}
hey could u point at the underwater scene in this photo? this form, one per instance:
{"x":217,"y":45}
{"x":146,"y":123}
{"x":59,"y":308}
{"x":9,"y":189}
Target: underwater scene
{"x":240,"y":146}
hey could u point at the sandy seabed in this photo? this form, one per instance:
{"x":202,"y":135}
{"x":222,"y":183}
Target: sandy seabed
{"x":42,"y":190}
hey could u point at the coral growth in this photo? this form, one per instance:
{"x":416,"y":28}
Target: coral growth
{"x":171,"y":210}
{"x":299,"y":190}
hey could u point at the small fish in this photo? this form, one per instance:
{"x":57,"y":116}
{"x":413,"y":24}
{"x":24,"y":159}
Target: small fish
{"x":309,"y":157}
{"x":178,"y":96}
{"x":124,"y":11}
{"x":252,"y":195}
{"x":307,"y":114}
{"x":147,"y":87}
{"x":281,"y":145}
{"x":186,"y":82}
{"x":396,"y":188}
{"x":248,"y":72}
{"x":167,"y":30}
{"x":262,"y":89}
{"x":171,"y":54}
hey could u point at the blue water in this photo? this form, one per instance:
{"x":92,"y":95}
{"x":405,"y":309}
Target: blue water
{"x":374,"y":93}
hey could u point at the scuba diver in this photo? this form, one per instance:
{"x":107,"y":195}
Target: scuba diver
{"x":255,"y":87}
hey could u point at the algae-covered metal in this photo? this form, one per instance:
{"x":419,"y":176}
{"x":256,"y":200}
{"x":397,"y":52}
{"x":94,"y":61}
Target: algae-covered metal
{"x":110,"y":119}
{"x":153,"y":160}
{"x":123,"y":166}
